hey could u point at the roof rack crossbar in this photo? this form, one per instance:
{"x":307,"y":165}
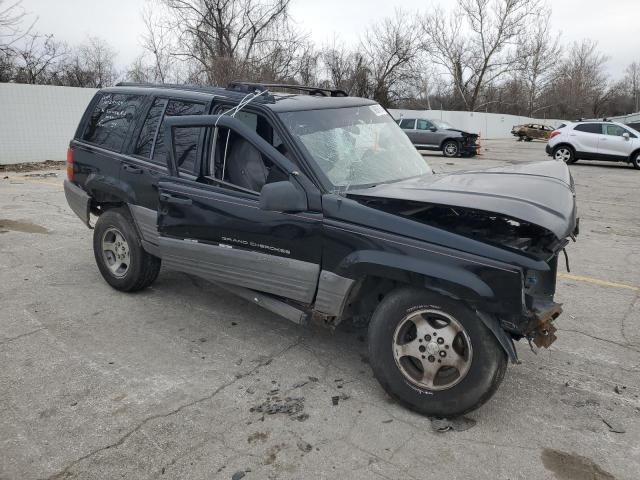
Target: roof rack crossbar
{"x":244,"y":86}
{"x":190,"y":88}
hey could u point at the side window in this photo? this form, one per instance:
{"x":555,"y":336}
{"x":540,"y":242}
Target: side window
{"x":589,"y":128}
{"x":150,"y":128}
{"x":408,"y":124}
{"x":111,"y":120}
{"x":615,"y":130}
{"x":424,"y":125}
{"x":186,"y":139}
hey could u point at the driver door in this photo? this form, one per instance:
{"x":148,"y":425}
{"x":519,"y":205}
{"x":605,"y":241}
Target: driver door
{"x":217,"y":230}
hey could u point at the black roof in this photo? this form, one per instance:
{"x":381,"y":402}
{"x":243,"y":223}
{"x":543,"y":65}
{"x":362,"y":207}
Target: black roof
{"x":311,"y":98}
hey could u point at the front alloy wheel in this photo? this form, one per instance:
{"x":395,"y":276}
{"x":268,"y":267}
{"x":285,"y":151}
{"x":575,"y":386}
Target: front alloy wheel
{"x":432,"y":349}
{"x":450,"y":149}
{"x":434,"y":354}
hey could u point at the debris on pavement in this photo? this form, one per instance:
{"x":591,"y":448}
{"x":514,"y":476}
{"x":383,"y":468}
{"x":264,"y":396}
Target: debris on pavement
{"x":613,"y":426}
{"x":274,"y":404}
{"x":238,"y":475}
{"x":304,"y":446}
{"x":335,"y":400}
{"x":458,"y":424}
{"x":41,"y":175}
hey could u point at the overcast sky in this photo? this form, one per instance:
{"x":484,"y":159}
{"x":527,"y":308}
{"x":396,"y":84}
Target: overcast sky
{"x":613,"y":23}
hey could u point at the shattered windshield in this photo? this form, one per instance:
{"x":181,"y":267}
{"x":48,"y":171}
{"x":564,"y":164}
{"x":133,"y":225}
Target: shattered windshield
{"x":356,"y":146}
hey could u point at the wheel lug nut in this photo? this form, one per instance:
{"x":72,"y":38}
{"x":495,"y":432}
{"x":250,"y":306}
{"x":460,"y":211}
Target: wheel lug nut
{"x":427,"y":338}
{"x":431,"y":358}
{"x":422,"y":348}
{"x":443,"y":353}
{"x":440,"y":340}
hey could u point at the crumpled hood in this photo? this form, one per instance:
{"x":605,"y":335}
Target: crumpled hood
{"x":462,"y":132}
{"x":540,"y":193}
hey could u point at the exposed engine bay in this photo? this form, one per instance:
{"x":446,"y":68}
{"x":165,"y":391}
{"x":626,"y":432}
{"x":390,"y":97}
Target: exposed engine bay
{"x":480,"y":225}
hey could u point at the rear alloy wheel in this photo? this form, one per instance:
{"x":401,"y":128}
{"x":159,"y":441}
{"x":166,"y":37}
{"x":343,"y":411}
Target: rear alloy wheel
{"x":450,"y":148}
{"x":635,"y":161}
{"x":434,"y":354}
{"x":118,"y":251}
{"x":564,"y":154}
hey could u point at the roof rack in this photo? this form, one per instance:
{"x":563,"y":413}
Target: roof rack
{"x":250,"y":86}
{"x":175,"y":86}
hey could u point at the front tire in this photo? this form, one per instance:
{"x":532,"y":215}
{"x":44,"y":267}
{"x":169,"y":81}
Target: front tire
{"x":434,"y":354}
{"x":450,"y":148}
{"x":122,"y":261}
{"x":564,"y":154}
{"x":635,"y":161}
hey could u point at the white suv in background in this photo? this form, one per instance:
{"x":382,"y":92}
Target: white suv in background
{"x":595,"y":140}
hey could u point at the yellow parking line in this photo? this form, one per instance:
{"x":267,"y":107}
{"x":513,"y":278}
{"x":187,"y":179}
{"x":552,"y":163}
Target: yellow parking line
{"x":596,"y":281}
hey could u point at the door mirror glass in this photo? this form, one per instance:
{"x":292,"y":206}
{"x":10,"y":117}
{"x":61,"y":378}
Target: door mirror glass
{"x":282,"y":196}
{"x":434,"y":129}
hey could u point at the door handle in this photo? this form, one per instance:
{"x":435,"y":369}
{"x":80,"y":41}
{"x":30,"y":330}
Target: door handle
{"x":132,"y":169}
{"x":165,"y":197}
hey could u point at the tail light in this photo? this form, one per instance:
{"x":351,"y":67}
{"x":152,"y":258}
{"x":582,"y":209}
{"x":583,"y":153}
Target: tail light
{"x":555,"y":133}
{"x":70,"y":172}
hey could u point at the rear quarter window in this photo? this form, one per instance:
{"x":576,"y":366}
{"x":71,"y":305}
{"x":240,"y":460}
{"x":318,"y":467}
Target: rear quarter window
{"x":111,"y":120}
{"x":589,"y":128}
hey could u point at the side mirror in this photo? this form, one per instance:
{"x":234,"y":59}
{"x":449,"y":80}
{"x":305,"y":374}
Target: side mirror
{"x":434,"y":129}
{"x":626,"y":136}
{"x":282,"y":197}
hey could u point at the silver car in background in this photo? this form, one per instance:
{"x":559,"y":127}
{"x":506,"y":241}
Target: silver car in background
{"x":439,"y":135}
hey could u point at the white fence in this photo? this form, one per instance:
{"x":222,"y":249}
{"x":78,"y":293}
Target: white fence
{"x":37,"y":121}
{"x":488,"y":125}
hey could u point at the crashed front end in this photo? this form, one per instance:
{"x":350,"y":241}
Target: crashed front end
{"x":528,"y":210}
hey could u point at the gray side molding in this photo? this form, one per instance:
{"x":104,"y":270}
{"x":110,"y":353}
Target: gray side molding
{"x":79,"y":201}
{"x":333,"y":291}
{"x":268,"y":303}
{"x":146,"y":221}
{"x":284,"y":277}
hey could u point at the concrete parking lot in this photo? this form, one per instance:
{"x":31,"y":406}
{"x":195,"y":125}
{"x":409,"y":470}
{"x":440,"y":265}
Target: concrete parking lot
{"x":186,"y":381}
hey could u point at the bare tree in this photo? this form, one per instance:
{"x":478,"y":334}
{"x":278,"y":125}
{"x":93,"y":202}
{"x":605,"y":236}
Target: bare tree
{"x":232,"y":39}
{"x":390,"y":49}
{"x":580,"y":85}
{"x":483,"y":52}
{"x":12,"y":29}
{"x":38,"y":58}
{"x":632,"y":82}
{"x":158,"y":41}
{"x":540,"y":52}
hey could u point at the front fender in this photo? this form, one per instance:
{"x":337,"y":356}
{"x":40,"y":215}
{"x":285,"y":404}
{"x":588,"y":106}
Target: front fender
{"x":483,"y":286}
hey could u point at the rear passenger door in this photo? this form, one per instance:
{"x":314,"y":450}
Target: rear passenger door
{"x":142,"y":169}
{"x":409,"y":127}
{"x":586,"y":137}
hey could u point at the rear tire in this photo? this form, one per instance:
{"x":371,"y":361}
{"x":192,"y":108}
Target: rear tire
{"x":450,"y":148}
{"x":565,"y":154}
{"x":122,"y":261}
{"x":442,"y":327}
{"x":635,"y":161}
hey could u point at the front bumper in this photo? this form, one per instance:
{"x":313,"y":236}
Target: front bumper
{"x":548,"y":150}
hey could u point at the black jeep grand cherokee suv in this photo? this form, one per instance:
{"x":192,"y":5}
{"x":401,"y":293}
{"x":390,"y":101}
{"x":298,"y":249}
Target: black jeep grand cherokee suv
{"x":316,"y":206}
